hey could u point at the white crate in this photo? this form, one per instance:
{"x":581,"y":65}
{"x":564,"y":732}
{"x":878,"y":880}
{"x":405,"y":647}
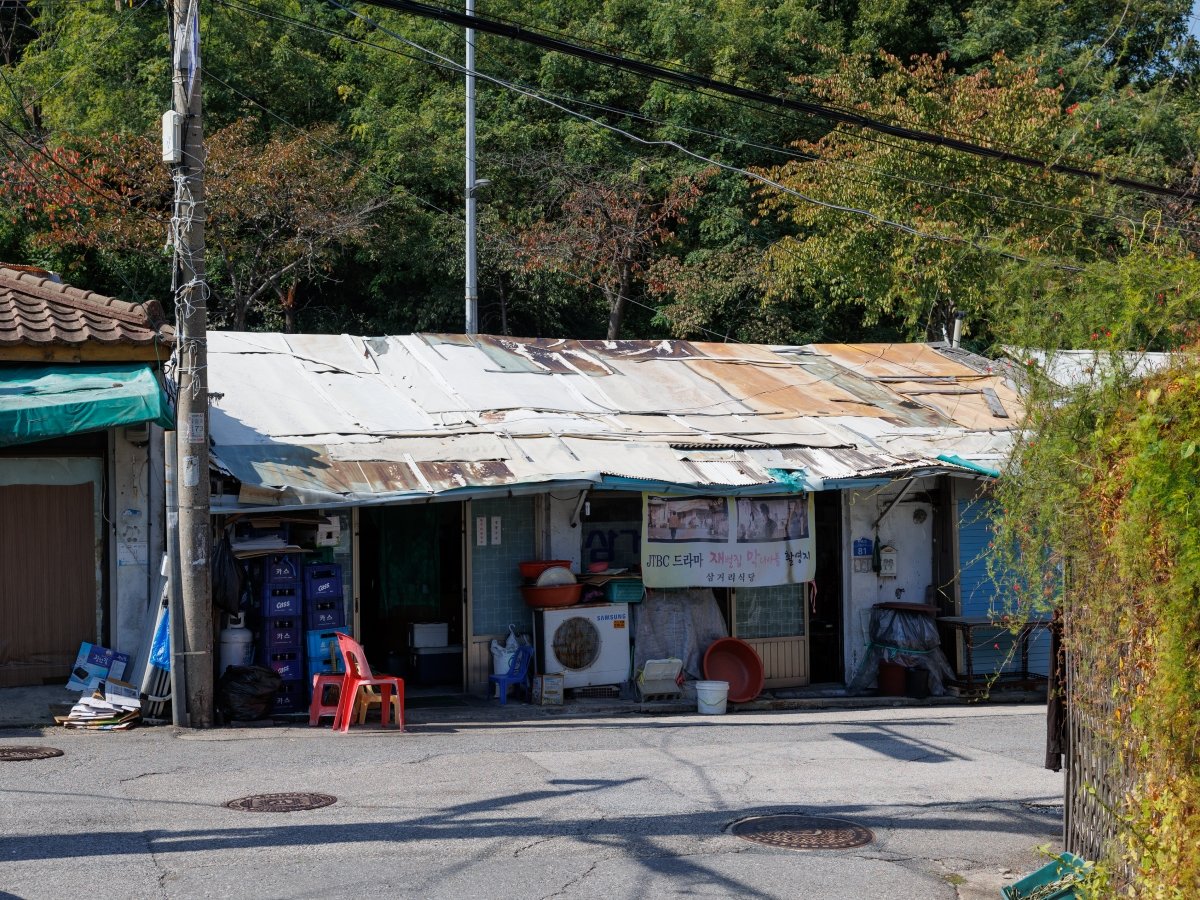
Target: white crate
{"x":428,"y":634}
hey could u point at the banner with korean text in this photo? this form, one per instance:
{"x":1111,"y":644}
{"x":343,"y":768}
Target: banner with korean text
{"x":726,"y":541}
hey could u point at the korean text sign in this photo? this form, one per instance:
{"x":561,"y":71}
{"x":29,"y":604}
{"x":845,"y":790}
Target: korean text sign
{"x":722,"y":541}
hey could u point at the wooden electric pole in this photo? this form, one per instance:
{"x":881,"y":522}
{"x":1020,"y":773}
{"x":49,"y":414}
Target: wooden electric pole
{"x":191,"y":315}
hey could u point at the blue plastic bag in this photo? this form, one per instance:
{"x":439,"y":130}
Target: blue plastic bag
{"x":160,"y":647}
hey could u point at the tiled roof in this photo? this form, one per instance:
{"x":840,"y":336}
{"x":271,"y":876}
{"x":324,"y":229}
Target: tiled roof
{"x":36,"y":311}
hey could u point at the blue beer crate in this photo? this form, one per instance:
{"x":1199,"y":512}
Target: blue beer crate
{"x":283,"y":634}
{"x":282,"y":568}
{"x":326,"y":614}
{"x":289,"y":664}
{"x":292,"y":696}
{"x":281,"y":600}
{"x":322,"y":581}
{"x":321,"y":644}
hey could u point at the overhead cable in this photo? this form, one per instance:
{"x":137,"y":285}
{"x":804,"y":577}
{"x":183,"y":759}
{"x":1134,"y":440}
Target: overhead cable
{"x":691,"y":79}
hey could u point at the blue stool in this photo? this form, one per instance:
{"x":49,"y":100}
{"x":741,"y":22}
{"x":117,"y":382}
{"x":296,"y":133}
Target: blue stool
{"x":518,"y":673}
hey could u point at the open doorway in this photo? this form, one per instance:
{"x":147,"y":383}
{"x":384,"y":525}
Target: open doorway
{"x":411,"y":613}
{"x":825,"y":618}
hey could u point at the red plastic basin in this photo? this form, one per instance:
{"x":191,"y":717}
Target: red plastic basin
{"x":533,"y":568}
{"x":735,"y":661}
{"x":551,"y":597}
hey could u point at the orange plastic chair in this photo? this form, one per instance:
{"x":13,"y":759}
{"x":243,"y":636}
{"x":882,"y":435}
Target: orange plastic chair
{"x":358,"y":675}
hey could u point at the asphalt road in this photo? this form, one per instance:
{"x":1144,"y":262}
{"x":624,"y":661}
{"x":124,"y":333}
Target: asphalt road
{"x":626,"y":807}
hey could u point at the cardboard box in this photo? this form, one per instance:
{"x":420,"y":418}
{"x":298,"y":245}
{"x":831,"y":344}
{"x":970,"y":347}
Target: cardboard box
{"x":95,"y":664}
{"x":548,"y":690}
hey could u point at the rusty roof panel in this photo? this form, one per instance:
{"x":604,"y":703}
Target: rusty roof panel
{"x":884,"y":360}
{"x":639,"y":350}
{"x":423,"y":414}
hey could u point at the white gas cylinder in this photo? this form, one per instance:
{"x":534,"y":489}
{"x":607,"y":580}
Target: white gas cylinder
{"x":237,"y":644}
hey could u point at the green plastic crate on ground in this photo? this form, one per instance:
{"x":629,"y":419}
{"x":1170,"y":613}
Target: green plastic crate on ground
{"x":1053,"y":881}
{"x":624,"y":591}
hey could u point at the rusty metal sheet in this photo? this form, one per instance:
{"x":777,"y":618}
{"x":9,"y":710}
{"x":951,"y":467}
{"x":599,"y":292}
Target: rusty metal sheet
{"x":780,"y":391}
{"x":542,"y":354}
{"x":442,"y":476}
{"x":881,"y":360}
{"x":627,"y":350}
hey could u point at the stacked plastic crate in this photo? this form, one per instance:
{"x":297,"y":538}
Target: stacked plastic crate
{"x":325,"y":614}
{"x":283,"y":629}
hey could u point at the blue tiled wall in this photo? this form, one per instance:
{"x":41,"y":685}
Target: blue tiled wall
{"x":495,"y":579}
{"x":764,"y":612}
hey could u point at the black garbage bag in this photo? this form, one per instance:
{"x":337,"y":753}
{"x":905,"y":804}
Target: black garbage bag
{"x":226,"y":577}
{"x":246,"y":693}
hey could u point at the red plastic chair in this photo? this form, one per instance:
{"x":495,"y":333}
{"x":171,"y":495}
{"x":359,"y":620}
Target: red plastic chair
{"x":358,"y":674}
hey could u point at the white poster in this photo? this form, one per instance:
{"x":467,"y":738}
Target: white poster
{"x":726,"y":541}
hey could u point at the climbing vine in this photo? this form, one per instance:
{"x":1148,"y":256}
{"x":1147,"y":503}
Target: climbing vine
{"x":1101,"y":520}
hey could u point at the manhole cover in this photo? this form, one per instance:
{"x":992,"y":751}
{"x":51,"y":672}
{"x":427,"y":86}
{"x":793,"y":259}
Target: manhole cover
{"x":1045,"y":809}
{"x":290,"y":802}
{"x":17,"y":754}
{"x":792,"y":832}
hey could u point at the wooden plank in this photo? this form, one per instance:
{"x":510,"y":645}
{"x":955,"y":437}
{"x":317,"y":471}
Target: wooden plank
{"x":994,"y":404}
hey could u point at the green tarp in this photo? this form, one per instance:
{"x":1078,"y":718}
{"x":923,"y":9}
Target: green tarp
{"x":42,"y":402}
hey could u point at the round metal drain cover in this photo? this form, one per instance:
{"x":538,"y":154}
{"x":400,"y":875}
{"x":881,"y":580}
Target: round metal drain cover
{"x":289,"y":802}
{"x":18,"y":754}
{"x":793,"y":832}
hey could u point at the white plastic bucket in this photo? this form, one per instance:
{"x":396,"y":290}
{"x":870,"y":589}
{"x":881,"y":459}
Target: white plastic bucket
{"x":711,"y":697}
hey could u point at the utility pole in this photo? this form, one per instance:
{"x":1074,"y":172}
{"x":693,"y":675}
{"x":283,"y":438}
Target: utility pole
{"x":472,"y":287}
{"x":191,"y":348}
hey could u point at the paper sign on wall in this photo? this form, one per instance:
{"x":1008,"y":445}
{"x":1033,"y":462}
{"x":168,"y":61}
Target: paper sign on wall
{"x":722,"y":541}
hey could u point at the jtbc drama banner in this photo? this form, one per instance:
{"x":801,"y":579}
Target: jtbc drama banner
{"x":726,"y":541}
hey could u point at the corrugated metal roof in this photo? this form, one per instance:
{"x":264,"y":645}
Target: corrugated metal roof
{"x":336,"y":418}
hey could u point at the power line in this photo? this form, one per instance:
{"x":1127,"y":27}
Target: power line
{"x":882,"y":220}
{"x":690,"y":79}
{"x":558,"y":33}
{"x":453,"y":66}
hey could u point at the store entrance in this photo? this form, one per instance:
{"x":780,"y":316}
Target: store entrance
{"x":411,"y":613}
{"x":825,"y":617}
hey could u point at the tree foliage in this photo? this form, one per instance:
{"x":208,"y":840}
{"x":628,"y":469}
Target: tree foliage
{"x":1100,"y":82}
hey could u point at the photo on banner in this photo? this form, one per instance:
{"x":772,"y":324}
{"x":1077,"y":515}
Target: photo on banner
{"x":722,"y":541}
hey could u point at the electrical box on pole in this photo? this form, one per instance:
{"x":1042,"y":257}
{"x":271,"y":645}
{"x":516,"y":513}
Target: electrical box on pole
{"x":172,"y":137}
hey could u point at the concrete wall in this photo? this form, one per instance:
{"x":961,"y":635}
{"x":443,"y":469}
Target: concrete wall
{"x":913,"y":541}
{"x":133,"y":522}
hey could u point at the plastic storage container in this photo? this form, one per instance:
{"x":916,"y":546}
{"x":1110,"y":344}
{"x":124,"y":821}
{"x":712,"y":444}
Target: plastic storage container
{"x":891,"y":679}
{"x":428,"y":634}
{"x":436,"y":665}
{"x":1066,"y":868}
{"x":712,"y":697}
{"x":624,"y":591}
